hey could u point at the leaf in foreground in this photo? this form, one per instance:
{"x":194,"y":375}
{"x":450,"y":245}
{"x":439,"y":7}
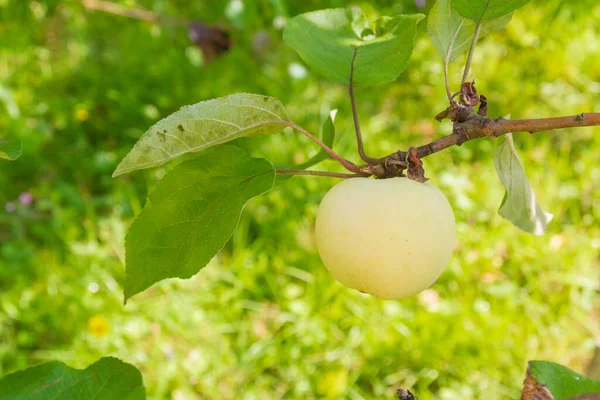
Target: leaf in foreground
{"x":107,"y":379}
{"x":473,"y":9}
{"x":326,"y":41}
{"x":451,"y":34}
{"x":548,"y":380}
{"x":10,"y":149}
{"x":205,"y":124}
{"x":519,"y":205}
{"x":191,"y":214}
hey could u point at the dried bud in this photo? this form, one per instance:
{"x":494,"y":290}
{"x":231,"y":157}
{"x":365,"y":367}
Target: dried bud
{"x":404,"y":394}
{"x":469,"y":94}
{"x":415,"y":169}
{"x":211,"y":39}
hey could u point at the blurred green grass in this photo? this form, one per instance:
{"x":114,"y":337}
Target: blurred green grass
{"x":265,"y":320}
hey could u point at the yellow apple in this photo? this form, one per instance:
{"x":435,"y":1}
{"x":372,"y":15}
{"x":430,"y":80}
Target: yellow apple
{"x":391,"y":238}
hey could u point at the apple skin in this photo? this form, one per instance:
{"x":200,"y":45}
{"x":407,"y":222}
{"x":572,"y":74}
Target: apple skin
{"x":391,"y":238}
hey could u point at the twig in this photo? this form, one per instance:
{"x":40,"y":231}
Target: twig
{"x":544,"y":124}
{"x":473,"y":43}
{"x":319,"y":173}
{"x":478,"y":126}
{"x":359,"y":141}
{"x":470,"y":126}
{"x":134,"y":13}
{"x":347,"y":164}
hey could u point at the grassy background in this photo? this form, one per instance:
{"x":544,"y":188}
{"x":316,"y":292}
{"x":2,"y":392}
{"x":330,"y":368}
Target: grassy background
{"x":265,"y":320}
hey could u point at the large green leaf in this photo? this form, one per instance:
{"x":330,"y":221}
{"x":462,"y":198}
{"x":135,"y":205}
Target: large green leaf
{"x":561,"y":381}
{"x":107,"y":379}
{"x":327,"y":40}
{"x":451,"y":34}
{"x":10,"y":149}
{"x":519,"y":205}
{"x":191,"y":214}
{"x":205,"y":124}
{"x":474,"y":9}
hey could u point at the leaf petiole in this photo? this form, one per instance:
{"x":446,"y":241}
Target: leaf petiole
{"x":319,"y":173}
{"x":345,"y":163}
{"x":473,"y":43}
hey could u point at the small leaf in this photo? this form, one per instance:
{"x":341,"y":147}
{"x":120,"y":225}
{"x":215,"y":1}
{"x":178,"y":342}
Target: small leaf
{"x":191,"y":214}
{"x":326,"y":40}
{"x":327,"y":137}
{"x":563,"y":383}
{"x":474,"y":9}
{"x":451,"y":34}
{"x":519,"y":205}
{"x":205,"y":124}
{"x":107,"y":379}
{"x":10,"y":149}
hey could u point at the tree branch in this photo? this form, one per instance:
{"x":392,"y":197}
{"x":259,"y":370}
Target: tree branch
{"x":359,"y":141}
{"x":477,"y":126}
{"x":134,"y":13}
{"x":470,"y":126}
{"x":544,"y":124}
{"x":319,"y":173}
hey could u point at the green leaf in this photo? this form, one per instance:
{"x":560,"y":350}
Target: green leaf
{"x":474,"y":9}
{"x":327,"y":137}
{"x":10,"y":149}
{"x":191,"y":214}
{"x":327,"y":39}
{"x":451,"y":34}
{"x":561,"y":381}
{"x":519,"y":205}
{"x":205,"y":124}
{"x":107,"y":379}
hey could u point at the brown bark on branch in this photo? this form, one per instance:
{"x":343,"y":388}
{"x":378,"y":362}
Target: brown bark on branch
{"x":469,"y":126}
{"x":545,"y":124}
{"x":135,"y":13}
{"x":479,"y":126}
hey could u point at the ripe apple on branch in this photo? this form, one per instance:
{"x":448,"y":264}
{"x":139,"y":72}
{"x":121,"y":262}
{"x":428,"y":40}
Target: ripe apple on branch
{"x":386,"y":231}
